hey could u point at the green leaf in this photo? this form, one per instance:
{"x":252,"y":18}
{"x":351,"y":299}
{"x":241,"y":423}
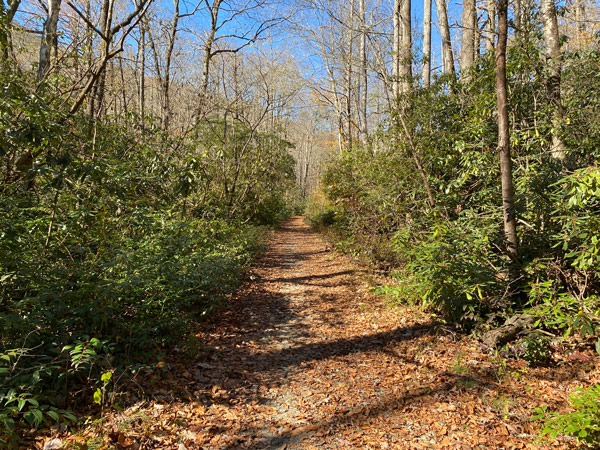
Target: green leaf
{"x":106,"y":377}
{"x":54,"y":415}
{"x":98,"y":396}
{"x":39,"y":416}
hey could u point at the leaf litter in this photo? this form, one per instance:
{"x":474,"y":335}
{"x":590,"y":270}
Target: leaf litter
{"x":304,"y":356}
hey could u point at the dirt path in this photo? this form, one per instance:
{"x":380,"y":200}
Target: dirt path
{"x":306,"y":357}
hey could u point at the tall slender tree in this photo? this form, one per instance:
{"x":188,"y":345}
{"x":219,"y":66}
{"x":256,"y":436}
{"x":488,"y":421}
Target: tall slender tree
{"x":469,"y":27}
{"x":551,"y":38}
{"x":508,"y":196}
{"x":48,"y":37}
{"x":448,"y":57}
{"x":396,"y":50}
{"x":405,"y":46}
{"x":364,"y":81}
{"x":349,"y":73}
{"x":426,"y":72}
{"x":7,"y":14}
{"x":490,"y":26}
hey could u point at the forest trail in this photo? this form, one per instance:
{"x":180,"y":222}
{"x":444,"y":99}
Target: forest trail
{"x":305,"y":357}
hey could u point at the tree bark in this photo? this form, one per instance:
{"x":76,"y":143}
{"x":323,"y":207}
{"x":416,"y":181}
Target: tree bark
{"x":491,"y":26}
{"x":508,"y":201}
{"x":166,"y":85}
{"x":426,"y":74}
{"x":364,"y":131}
{"x":518,"y":15}
{"x":349,"y":63}
{"x":551,"y":38}
{"x":447,"y":56}
{"x":467,"y":48}
{"x":106,"y":24}
{"x":396,"y":51}
{"x":6,"y":18}
{"x":580,"y":18}
{"x":405,"y":46}
{"x":48,"y":37}
{"x":142,"y":74}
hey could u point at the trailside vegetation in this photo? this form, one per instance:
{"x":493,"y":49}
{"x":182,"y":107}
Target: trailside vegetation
{"x":114,"y":238}
{"x":450,"y":254}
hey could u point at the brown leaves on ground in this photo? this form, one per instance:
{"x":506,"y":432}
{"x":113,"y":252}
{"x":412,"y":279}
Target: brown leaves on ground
{"x":305,"y":357}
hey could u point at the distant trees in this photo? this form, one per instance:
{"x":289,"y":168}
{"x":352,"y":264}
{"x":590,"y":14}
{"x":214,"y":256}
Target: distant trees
{"x":479,"y":192}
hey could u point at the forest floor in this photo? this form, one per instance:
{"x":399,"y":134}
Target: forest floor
{"x":304,"y":356}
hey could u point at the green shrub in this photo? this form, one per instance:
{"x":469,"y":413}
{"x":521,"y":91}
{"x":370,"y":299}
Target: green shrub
{"x":583,"y":423}
{"x":111,"y":247}
{"x":319,"y":213}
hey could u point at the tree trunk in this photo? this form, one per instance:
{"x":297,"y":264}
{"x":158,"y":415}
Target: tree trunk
{"x":48,"y":37}
{"x":363,"y":72}
{"x":166,"y":86}
{"x":491,"y":26}
{"x":124,"y":108}
{"x":208,"y":46}
{"x":446,"y":40}
{"x":405,"y":47}
{"x":6,"y":18}
{"x":551,"y":38}
{"x":467,"y":48}
{"x":518,"y":15}
{"x":426,"y":75}
{"x":349,"y":63}
{"x":508,"y":201}
{"x":580,"y":18}
{"x":106,"y":24}
{"x":396,"y":51}
{"x":142,"y":74}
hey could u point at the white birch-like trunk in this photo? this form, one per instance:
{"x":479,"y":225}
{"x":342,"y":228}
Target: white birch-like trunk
{"x":426,"y":73}
{"x":48,"y":37}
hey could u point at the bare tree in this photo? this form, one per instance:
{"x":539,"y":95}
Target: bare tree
{"x":163,"y":63}
{"x":329,"y":39}
{"x":111,"y":47}
{"x":219,"y":19}
{"x":580,"y":10}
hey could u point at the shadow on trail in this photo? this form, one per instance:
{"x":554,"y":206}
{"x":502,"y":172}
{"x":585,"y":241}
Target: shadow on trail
{"x":367,"y":413}
{"x":341,"y":347}
{"x":264,"y":338}
{"x":240,"y":372}
{"x":302,"y":280}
